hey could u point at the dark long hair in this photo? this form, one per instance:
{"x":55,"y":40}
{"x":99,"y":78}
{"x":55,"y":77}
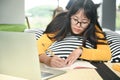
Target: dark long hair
{"x":56,"y":24}
{"x":90,"y":11}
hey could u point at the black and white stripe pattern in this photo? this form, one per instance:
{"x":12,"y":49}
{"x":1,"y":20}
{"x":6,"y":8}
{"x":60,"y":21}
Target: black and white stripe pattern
{"x":114,"y":41}
{"x":38,"y":34}
{"x":67,"y":45}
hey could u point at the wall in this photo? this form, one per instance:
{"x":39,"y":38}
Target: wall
{"x":109,"y":14}
{"x":12,"y":12}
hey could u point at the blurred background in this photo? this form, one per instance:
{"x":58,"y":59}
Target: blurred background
{"x":18,"y":15}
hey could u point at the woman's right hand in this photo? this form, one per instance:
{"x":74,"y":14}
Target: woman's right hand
{"x":56,"y":62}
{"x":52,"y":61}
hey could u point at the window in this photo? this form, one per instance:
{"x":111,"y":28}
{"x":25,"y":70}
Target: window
{"x":118,"y":15}
{"x":40,"y":12}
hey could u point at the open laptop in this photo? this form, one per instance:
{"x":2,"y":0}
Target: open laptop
{"x":19,"y":57}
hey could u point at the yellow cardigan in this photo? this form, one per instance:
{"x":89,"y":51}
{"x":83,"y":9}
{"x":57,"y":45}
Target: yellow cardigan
{"x":102,"y":53}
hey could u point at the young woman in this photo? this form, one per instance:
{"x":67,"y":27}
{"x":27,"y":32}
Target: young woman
{"x":80,"y":20}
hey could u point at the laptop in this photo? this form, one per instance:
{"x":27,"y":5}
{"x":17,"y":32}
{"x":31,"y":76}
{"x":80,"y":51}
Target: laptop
{"x":19,"y":57}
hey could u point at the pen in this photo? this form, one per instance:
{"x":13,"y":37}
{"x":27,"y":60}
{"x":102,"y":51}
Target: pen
{"x":51,"y":52}
{"x":80,"y":47}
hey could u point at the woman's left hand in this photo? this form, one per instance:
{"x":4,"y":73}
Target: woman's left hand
{"x":73,"y":56}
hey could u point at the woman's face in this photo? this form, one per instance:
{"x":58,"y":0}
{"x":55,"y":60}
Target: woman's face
{"x":79,"y":22}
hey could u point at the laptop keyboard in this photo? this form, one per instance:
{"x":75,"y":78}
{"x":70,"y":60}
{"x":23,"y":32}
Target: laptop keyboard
{"x":45,"y":74}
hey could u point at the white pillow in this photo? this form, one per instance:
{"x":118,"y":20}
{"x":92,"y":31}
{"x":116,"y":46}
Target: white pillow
{"x":70,"y":43}
{"x":114,"y":42}
{"x":66,"y":46}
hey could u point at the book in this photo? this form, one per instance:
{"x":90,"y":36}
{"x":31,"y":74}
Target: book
{"x":76,"y":65}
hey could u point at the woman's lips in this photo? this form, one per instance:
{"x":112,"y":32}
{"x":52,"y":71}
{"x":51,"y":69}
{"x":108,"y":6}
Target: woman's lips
{"x":77,"y":29}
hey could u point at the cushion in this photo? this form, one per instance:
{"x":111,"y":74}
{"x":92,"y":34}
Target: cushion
{"x":114,"y":42}
{"x":67,"y":45}
{"x":66,"y":48}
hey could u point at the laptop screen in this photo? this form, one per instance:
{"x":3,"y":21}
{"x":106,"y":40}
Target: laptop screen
{"x":19,"y":55}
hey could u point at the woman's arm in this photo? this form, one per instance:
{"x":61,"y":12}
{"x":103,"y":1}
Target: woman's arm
{"x":43,"y":43}
{"x":102,"y":53}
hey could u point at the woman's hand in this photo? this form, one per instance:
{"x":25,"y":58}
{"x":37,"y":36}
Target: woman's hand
{"x":56,"y":62}
{"x":73,"y":56}
{"x":52,"y":61}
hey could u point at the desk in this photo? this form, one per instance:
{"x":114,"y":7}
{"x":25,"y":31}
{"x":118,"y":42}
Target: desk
{"x":7,"y":77}
{"x":75,"y":74}
{"x":83,"y":74}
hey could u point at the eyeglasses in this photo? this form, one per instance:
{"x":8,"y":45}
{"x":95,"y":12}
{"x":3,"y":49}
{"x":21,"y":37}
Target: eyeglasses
{"x":76,"y":22}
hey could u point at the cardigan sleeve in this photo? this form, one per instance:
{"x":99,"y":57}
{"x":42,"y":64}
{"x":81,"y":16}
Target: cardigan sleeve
{"x":43,"y":43}
{"x":102,"y":53}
